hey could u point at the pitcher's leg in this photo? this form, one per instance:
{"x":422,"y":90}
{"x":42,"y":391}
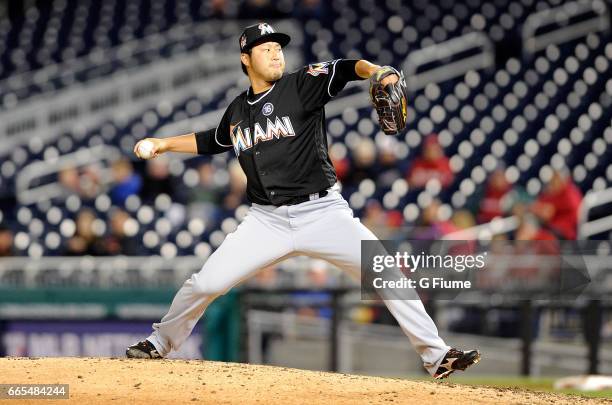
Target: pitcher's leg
{"x":175,"y":327}
{"x":336,"y":237}
{"x":251,"y":247}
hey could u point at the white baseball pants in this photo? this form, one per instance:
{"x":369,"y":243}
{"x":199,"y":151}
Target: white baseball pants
{"x":324,"y":228}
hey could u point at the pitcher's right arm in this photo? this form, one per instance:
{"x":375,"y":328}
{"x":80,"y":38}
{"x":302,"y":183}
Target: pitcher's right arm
{"x":210,"y":142}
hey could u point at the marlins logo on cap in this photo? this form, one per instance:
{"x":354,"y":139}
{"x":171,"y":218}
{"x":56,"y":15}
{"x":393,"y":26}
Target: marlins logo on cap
{"x":259,"y":33}
{"x":265,"y":28}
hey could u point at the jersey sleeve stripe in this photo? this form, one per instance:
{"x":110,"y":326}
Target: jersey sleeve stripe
{"x":219,"y":143}
{"x":331,"y":78}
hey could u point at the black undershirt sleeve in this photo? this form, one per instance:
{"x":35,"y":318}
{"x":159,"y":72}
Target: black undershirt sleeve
{"x":207,"y":144}
{"x":216,"y":140}
{"x":344,"y":73}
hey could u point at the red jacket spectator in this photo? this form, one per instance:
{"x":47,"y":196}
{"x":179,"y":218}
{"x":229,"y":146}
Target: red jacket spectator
{"x":558,"y":206}
{"x":533,"y":245}
{"x":432,"y":164}
{"x":491,"y":203}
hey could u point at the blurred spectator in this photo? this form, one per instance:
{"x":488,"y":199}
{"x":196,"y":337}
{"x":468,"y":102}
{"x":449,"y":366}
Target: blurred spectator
{"x":364,"y":157}
{"x":374,"y":218}
{"x":430,"y":225}
{"x":529,"y":229}
{"x":383,"y":223}
{"x":90,"y":182}
{"x":157,"y":180}
{"x":491,"y":201}
{"x":310,"y":303}
{"x":517,"y":201}
{"x":533,"y":242}
{"x":557,"y":206}
{"x":68,"y":178}
{"x":388,"y":170}
{"x":83,"y":182}
{"x":463,"y":219}
{"x":499,"y":198}
{"x":460,"y":220}
{"x":432,"y":164}
{"x":126,"y":181}
{"x":6,"y":242}
{"x":237,"y":187}
{"x":208,"y":191}
{"x":341,"y":163}
{"x":122,"y":228}
{"x":85,"y":241}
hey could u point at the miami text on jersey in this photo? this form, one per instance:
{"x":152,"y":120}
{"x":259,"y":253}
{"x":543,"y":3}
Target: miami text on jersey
{"x":242,"y":140}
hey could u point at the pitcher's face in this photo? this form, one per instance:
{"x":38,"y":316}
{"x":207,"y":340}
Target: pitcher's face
{"x":266,"y":61}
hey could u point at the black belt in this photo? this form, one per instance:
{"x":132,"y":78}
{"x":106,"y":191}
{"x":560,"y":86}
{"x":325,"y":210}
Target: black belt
{"x":308,"y":197}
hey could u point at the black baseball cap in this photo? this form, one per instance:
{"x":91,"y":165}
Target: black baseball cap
{"x":261,"y":32}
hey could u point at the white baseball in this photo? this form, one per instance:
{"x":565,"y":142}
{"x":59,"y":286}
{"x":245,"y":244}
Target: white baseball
{"x":145,"y":149}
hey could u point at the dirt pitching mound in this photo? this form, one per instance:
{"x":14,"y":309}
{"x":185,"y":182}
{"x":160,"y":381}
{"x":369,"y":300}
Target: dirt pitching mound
{"x":120,"y":381}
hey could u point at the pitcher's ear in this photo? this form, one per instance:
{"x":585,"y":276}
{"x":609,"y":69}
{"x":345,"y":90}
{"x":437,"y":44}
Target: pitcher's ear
{"x":245,"y":59}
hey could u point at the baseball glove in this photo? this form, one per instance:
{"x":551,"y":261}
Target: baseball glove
{"x":390,"y":101}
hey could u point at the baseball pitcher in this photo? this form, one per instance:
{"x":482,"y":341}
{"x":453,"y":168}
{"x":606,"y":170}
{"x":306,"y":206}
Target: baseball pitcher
{"x":276,"y":128}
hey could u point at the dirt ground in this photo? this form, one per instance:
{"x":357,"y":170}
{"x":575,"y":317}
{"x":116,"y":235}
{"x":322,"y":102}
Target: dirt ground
{"x":120,"y":381}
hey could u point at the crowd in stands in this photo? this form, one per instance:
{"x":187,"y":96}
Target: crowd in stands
{"x":553,"y":214}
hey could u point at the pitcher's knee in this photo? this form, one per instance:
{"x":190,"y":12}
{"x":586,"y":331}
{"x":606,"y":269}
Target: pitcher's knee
{"x":202,"y":284}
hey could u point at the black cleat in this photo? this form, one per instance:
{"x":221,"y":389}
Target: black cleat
{"x":143,"y":350}
{"x":456,"y":360}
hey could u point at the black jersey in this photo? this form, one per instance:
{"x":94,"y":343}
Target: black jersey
{"x":279,"y":136}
